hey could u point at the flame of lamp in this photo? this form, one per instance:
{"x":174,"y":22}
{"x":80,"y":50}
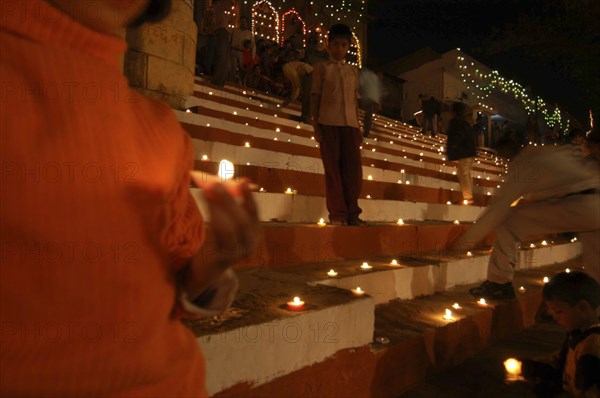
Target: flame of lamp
{"x":513,"y":369}
{"x":448,"y":315}
{"x":296,"y":304}
{"x":226,"y":170}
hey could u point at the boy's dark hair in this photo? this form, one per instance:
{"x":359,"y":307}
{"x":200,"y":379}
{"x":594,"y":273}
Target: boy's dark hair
{"x":459,"y":109}
{"x":340,"y":31}
{"x":571,"y":288}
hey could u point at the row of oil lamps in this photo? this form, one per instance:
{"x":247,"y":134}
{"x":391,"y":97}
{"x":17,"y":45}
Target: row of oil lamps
{"x":296,"y":304}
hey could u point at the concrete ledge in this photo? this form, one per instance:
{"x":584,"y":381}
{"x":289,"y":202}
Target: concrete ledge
{"x":262,"y":352}
{"x":309,"y":209}
{"x":249,"y":128}
{"x":421,"y":343}
{"x":541,"y":256}
{"x":404,"y":282}
{"x":407,"y":281}
{"x":384,"y":129}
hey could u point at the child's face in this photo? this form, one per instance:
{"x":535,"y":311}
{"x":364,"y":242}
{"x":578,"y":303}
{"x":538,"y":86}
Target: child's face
{"x":567,"y":316}
{"x":338,"y":48}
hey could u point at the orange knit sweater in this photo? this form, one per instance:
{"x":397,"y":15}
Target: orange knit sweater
{"x":96,"y":219}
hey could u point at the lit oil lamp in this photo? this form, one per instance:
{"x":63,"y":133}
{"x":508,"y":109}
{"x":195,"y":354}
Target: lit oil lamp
{"x":358,"y":291}
{"x":400,"y":221}
{"x":482,"y":302}
{"x":332,"y":273}
{"x":226,"y":170}
{"x":513,"y":369}
{"x":448,"y":315}
{"x":296,"y":304}
{"x":366,"y":266}
{"x":456,"y":306}
{"x":394,"y":262}
{"x":321,"y":222}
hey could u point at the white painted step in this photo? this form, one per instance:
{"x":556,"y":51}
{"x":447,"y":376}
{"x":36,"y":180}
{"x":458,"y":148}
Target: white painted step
{"x":388,"y":282}
{"x":541,"y":256}
{"x":309,"y":209}
{"x":241,"y":155}
{"x":490,"y":173}
{"x":261,"y":353}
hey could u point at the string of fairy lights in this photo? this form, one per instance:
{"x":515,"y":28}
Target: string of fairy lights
{"x":481,"y":85}
{"x":270,"y":19}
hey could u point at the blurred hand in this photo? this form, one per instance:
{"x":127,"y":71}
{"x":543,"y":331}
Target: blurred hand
{"x":233,"y":220}
{"x":234,"y":224}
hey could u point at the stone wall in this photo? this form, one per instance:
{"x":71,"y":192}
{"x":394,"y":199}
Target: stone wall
{"x":161,"y":58}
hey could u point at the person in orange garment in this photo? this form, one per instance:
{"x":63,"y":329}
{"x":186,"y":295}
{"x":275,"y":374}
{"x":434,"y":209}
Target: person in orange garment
{"x":100,"y":236}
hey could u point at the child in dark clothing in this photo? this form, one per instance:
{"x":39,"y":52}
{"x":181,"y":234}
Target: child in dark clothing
{"x":573,"y":300}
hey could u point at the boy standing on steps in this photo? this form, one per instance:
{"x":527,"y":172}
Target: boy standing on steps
{"x":334,"y":103}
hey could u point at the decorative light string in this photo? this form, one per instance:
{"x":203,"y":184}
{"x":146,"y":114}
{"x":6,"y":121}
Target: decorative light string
{"x":293,"y":12}
{"x":265,"y":20}
{"x":355,"y":51}
{"x":481,"y":85}
{"x":269,"y":20}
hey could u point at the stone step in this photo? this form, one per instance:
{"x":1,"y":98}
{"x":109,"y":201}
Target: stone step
{"x":422,"y":275}
{"x":309,"y":209}
{"x":396,"y":149}
{"x":207,"y":127}
{"x":264,"y":340}
{"x":290,"y":244}
{"x":383,"y":127}
{"x":291,"y":157}
{"x":411,"y":340}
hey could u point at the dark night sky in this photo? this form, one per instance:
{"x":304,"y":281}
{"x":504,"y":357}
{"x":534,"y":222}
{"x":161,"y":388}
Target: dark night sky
{"x":403,"y":26}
